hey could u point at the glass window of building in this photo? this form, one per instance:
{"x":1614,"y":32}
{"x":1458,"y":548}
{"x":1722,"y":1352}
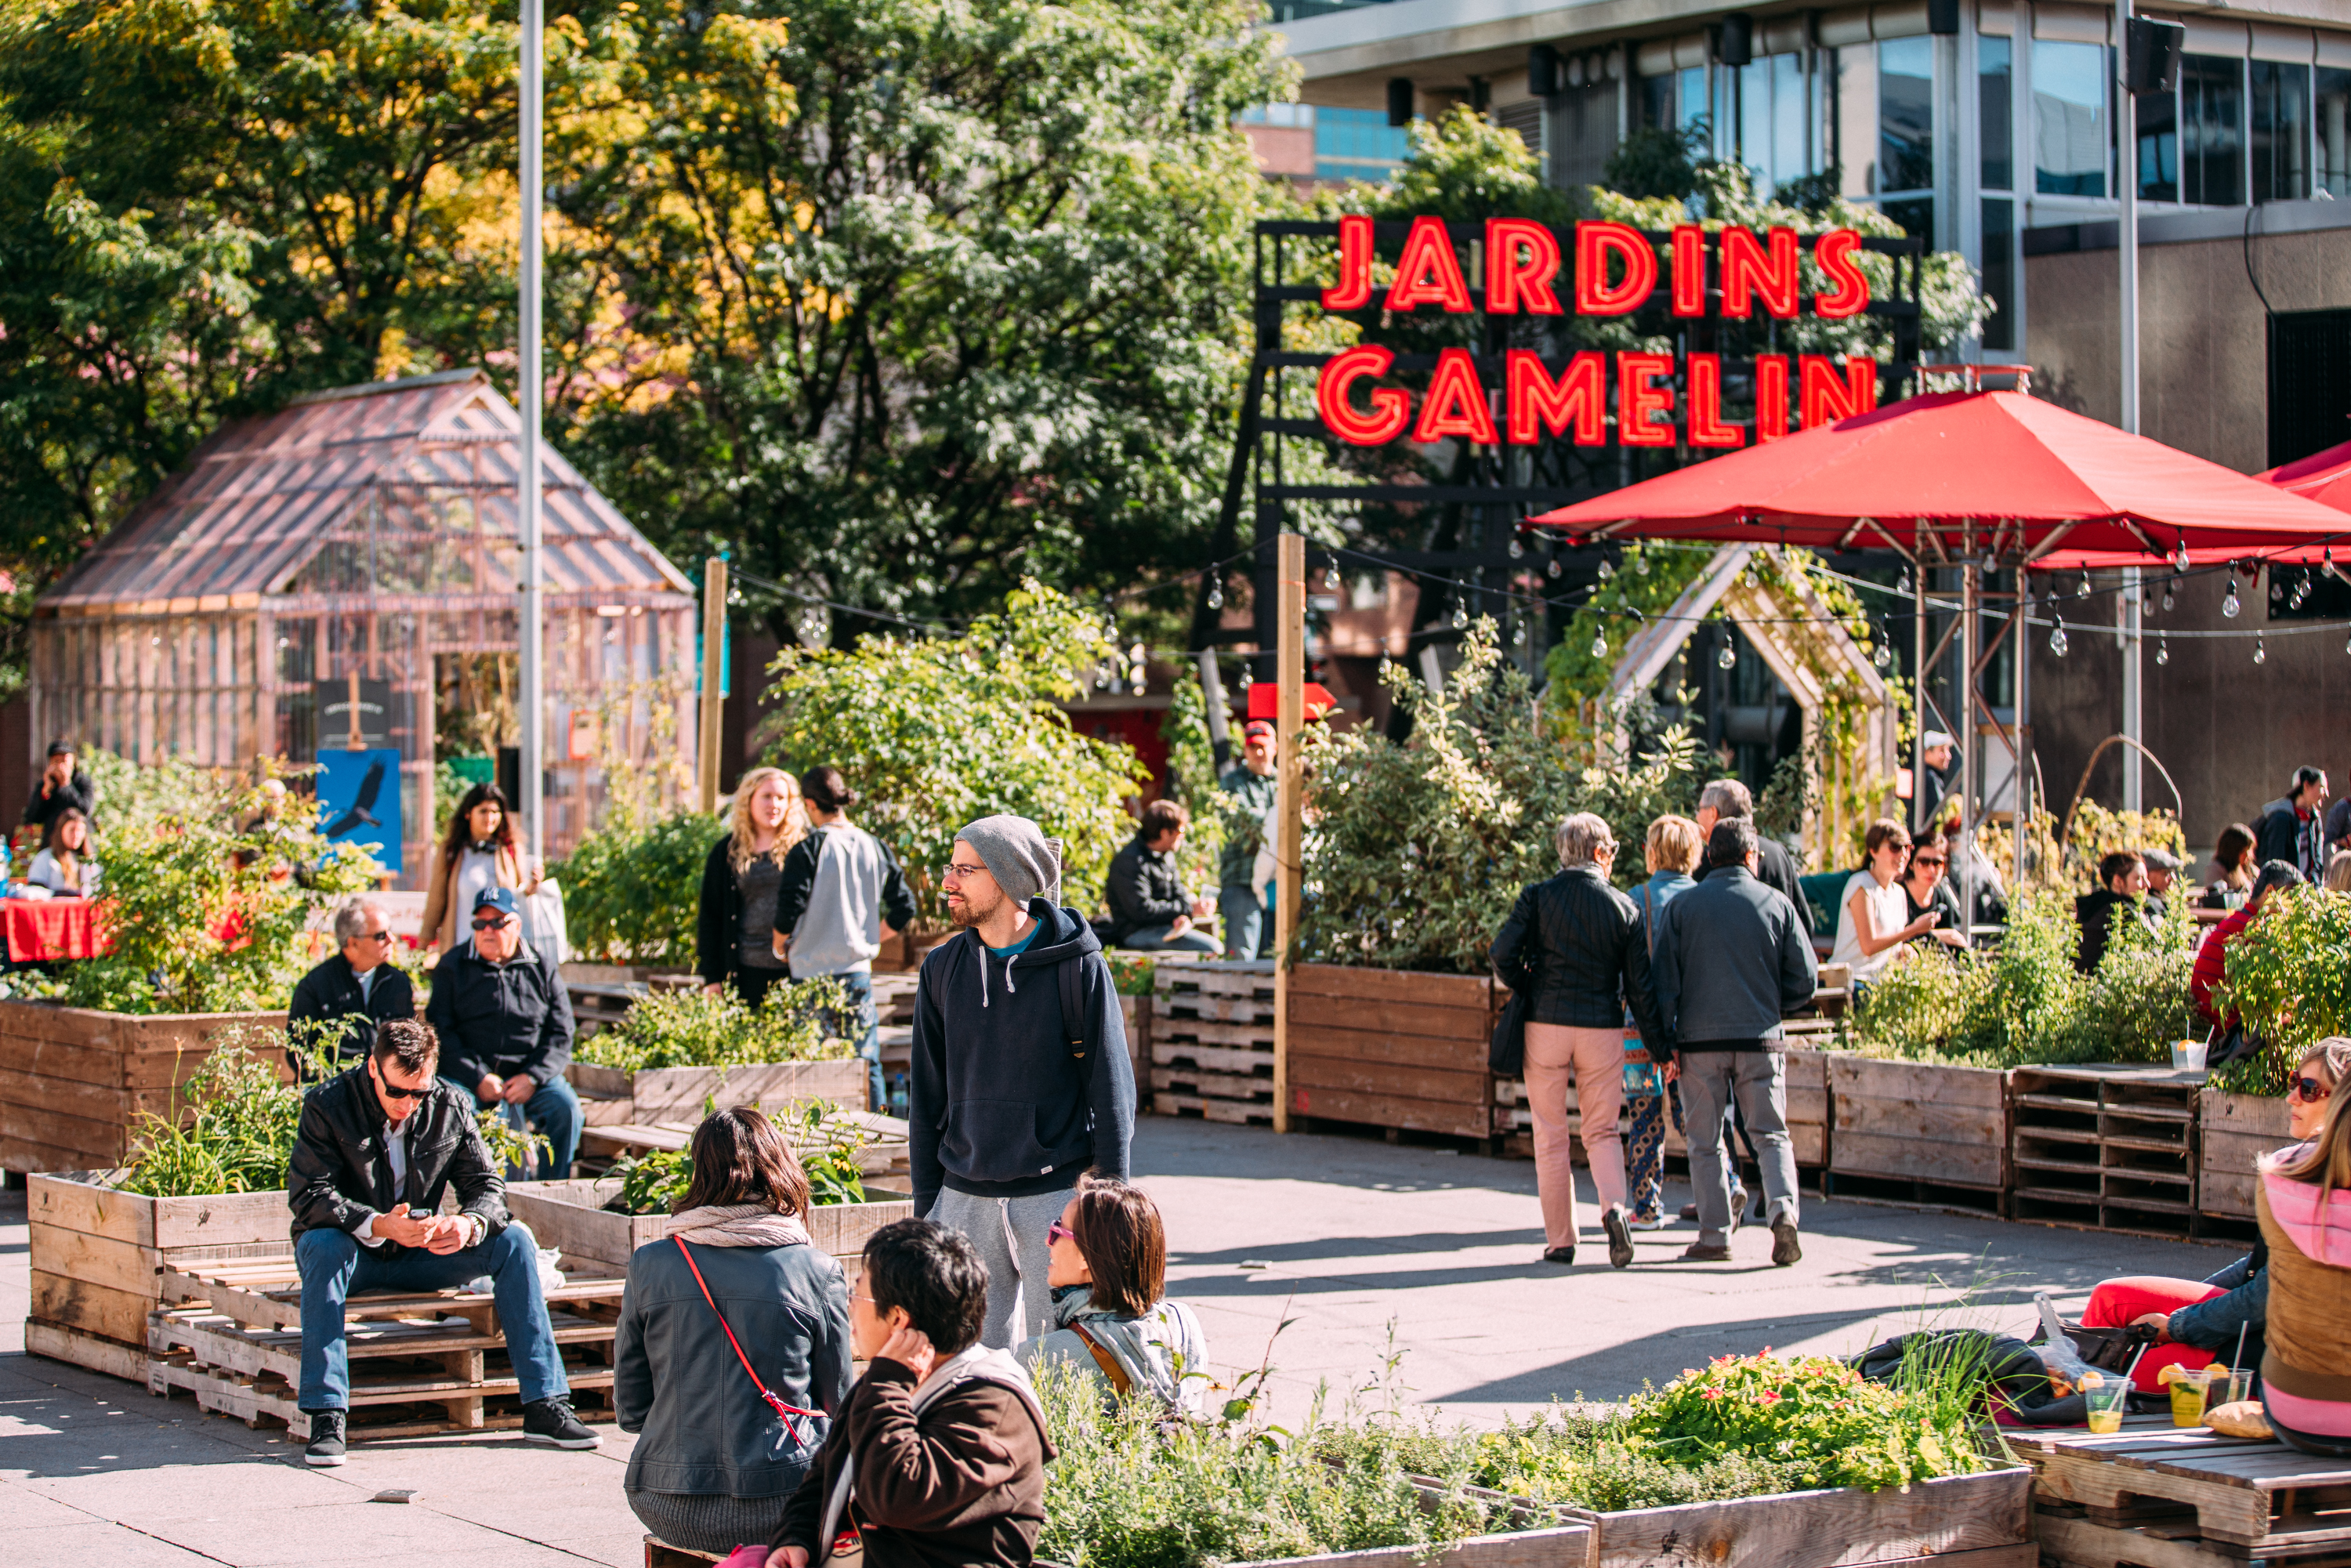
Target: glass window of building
{"x":2279,"y":145}
{"x":2332,"y":118}
{"x":1906,"y":115}
{"x":2069,"y":117}
{"x":2212,"y":129}
{"x":1853,"y":114}
{"x":1995,"y":87}
{"x":2000,"y":271}
{"x":1357,"y":144}
{"x":1774,"y":119}
{"x":2156,"y":121}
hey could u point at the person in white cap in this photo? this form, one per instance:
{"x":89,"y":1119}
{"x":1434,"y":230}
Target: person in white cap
{"x":1934,"y":781}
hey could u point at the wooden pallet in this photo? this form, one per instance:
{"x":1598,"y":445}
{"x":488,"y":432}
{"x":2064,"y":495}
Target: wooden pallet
{"x":2260,"y":1500}
{"x":2105,"y":1146}
{"x":1172,"y":1103}
{"x":1210,"y":1039}
{"x":1245,"y":1089}
{"x":2071,"y":1539}
{"x":233,"y":1340}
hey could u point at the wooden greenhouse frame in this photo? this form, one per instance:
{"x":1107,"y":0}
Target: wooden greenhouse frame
{"x":369,"y":532}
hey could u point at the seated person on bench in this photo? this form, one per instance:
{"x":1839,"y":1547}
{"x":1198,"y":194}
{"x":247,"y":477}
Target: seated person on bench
{"x":505,"y":1019}
{"x":1149,"y":910}
{"x":380,"y":1145}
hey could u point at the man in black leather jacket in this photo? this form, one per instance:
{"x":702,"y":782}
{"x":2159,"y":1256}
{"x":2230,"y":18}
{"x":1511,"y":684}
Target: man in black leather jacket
{"x":378,"y":1146}
{"x":338,"y":1004}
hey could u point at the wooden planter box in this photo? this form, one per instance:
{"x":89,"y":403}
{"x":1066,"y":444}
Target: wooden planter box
{"x":96,"y":1253}
{"x":1566,"y":1547}
{"x":1914,"y":1122}
{"x":656,"y":1096}
{"x":2237,"y":1130}
{"x":570,"y":1216}
{"x":73,"y":1081}
{"x":1392,"y":1048}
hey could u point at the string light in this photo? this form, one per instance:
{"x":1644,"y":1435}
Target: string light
{"x":1728,"y":655}
{"x":2168,"y":586}
{"x":2162,"y":650}
{"x":1641,"y":563}
{"x":2083,"y":591}
{"x":1331,"y":575}
{"x":2261,"y":653}
{"x":1518,"y":551}
{"x":1552,"y":569}
{"x":2179,"y":559}
{"x":1460,"y":615}
{"x":1903,"y":587}
{"x":1215,"y":596}
{"x":1606,"y":570}
{"x":1600,"y":646}
{"x":2229,"y":606}
{"x":1883,"y":654}
{"x":2057,"y":641}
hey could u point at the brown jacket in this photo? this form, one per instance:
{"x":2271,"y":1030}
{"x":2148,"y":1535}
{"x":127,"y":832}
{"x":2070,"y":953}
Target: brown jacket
{"x":960,"y":1484}
{"x":2307,"y":1320}
{"x":441,"y":918}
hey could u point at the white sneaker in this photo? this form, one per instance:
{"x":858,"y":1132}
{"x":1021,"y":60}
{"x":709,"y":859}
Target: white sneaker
{"x":1653,"y":1222}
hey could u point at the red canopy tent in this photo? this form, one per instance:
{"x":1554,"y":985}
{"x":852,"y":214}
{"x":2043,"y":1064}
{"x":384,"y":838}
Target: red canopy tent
{"x":1975,"y":481}
{"x":2323,"y":476}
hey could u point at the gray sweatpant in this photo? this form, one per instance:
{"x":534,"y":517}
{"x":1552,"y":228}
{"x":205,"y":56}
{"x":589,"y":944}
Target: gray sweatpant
{"x":1011,"y":1235}
{"x":1710,"y":1079}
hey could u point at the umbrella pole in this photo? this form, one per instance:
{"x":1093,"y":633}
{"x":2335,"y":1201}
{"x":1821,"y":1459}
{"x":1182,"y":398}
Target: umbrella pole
{"x":2022,"y":620}
{"x":1970,"y":601}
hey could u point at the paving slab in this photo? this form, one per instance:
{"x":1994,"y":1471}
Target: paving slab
{"x":1368,"y":1246}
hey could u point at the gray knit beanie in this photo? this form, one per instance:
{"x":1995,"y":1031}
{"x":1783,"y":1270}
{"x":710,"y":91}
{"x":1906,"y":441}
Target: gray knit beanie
{"x":1017,"y":855}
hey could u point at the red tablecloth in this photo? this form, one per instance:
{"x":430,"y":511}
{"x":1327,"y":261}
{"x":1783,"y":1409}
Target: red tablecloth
{"x":37,"y":930}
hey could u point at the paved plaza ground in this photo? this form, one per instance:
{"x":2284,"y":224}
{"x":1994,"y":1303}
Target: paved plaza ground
{"x":1345,"y":1235}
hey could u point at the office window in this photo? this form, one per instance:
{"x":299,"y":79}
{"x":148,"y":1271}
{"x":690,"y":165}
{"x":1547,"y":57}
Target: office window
{"x":2069,"y":117}
{"x":1915,"y":215}
{"x":1906,"y":114}
{"x":1357,"y":144}
{"x":1657,"y":100}
{"x":1995,"y":84}
{"x":2333,"y":117}
{"x":2310,"y":381}
{"x":2000,"y":271}
{"x":1689,"y":96}
{"x":2280,"y":139}
{"x":2157,"y":123}
{"x":2212,"y":129}
{"x":1774,"y":106}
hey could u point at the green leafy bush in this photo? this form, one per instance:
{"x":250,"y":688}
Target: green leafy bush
{"x":2024,"y":1002}
{"x":205,"y":915}
{"x":936,"y":732}
{"x":232,"y":1125}
{"x":633,"y":897}
{"x":694,"y":1029}
{"x":1815,"y":1412}
{"x":826,"y":1139}
{"x":2289,"y":977}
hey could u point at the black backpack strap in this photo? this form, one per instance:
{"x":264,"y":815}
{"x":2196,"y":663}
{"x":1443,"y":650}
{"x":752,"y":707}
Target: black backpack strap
{"x":1074,"y":1005}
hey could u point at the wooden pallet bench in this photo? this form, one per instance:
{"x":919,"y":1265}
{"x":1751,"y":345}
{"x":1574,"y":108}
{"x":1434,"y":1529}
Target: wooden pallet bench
{"x":2105,"y":1146}
{"x":1208,"y":1049}
{"x":2238,"y":1499}
{"x":233,"y":1339}
{"x":885,"y":1156}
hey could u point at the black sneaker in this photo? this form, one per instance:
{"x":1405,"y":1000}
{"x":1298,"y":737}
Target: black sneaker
{"x":326,"y":1438}
{"x":1785,"y":1248}
{"x":1562,"y":1256}
{"x":1620,"y":1238}
{"x":552,"y":1421}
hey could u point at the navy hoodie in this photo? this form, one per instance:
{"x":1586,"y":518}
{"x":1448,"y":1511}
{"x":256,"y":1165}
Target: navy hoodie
{"x":1000,"y":1105}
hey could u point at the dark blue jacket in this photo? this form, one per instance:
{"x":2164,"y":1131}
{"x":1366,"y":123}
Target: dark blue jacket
{"x":1001,"y":1106}
{"x":504,"y":1019}
{"x":1732,"y":960}
{"x":2214,"y":1325}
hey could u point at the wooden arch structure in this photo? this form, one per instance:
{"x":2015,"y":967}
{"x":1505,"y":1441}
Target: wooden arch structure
{"x":1801,"y":640}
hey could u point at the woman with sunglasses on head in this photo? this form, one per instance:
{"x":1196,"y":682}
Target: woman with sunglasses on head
{"x":1871,"y":919}
{"x":736,"y":1306}
{"x":2198,"y":1323}
{"x":477,"y":852}
{"x":1109,"y":1282}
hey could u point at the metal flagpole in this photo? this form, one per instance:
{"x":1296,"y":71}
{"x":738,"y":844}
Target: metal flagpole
{"x":528,"y":391}
{"x":2127,"y":169}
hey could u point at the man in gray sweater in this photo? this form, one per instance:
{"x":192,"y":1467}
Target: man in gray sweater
{"x":1732,"y":959}
{"x":842,"y":896}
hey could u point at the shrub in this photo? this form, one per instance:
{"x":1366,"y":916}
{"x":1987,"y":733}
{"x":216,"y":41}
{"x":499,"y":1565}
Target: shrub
{"x":2289,"y":977}
{"x":1815,"y":1412}
{"x":206,"y":916}
{"x":634,"y":896}
{"x":826,"y":1139}
{"x":936,"y":732}
{"x":694,"y":1029}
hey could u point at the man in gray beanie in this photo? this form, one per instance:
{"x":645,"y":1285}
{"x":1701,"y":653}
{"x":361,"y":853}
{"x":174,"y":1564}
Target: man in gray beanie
{"x":1020,"y":1083}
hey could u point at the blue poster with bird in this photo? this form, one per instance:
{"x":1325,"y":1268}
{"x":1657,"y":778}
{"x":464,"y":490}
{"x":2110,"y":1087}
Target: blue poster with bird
{"x":359,"y":801}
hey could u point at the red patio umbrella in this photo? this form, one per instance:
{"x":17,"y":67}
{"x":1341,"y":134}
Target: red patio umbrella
{"x":1953,"y":476}
{"x":2323,"y":476}
{"x":1975,"y":481}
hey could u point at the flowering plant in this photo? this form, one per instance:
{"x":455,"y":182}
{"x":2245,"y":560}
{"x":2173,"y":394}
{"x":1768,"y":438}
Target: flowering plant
{"x":1816,"y":1411}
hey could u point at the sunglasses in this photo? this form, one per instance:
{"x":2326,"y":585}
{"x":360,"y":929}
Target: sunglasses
{"x":374,"y":936}
{"x":395,"y":1091}
{"x":1926,"y":860}
{"x":2309,"y":1091}
{"x":1057,"y":1231}
{"x":492,"y":924}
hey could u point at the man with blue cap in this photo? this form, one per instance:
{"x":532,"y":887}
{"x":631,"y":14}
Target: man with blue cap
{"x":1021,"y":1082}
{"x":504,"y":1023}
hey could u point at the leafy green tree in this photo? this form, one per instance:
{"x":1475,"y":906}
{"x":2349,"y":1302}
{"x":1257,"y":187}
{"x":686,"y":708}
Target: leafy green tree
{"x":633,"y":895}
{"x":935,"y":733}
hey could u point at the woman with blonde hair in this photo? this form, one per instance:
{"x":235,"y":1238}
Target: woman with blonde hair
{"x":1574,"y":946}
{"x":2303,"y":1205}
{"x":734,"y":935}
{"x":2338,"y":872}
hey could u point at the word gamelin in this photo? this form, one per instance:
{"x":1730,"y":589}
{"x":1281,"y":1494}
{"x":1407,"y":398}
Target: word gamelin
{"x":1615,"y":273}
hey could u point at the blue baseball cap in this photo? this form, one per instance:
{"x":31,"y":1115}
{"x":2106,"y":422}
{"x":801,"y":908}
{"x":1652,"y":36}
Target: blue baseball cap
{"x":501,"y":899}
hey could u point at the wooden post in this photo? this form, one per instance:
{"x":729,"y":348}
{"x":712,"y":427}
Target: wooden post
{"x":714,"y":676}
{"x":1289,"y":666}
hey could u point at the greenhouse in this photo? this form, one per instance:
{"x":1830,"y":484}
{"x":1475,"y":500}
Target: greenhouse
{"x":344,"y":574}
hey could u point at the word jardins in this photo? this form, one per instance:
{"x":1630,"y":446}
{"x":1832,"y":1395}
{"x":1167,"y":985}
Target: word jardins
{"x":1615,"y":273}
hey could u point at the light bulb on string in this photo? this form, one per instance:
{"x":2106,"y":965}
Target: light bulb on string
{"x":2180,"y":558}
{"x":1641,"y":563}
{"x":1330,"y":578}
{"x":1216,"y":596}
{"x":1606,"y":570}
{"x":2230,"y":605}
{"x":2261,"y":653}
{"x":2083,"y":591}
{"x":1553,"y":568}
{"x":1903,"y":587}
{"x":2057,"y":638}
{"x":1728,"y":655}
{"x":2162,"y":650}
{"x":1883,"y":654}
{"x":1600,"y":646}
{"x":2147,"y":600}
{"x":2167,"y":599}
{"x":1518,"y":551}
{"x":1460,"y":616}
{"x":2301,"y":592}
